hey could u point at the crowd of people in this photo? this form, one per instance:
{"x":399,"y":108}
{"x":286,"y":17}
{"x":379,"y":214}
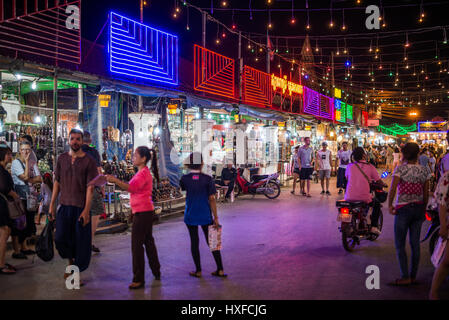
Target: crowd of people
{"x":72,"y":199}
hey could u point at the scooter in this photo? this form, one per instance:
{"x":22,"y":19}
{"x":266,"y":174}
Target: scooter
{"x":268,"y":185}
{"x":432,"y":215}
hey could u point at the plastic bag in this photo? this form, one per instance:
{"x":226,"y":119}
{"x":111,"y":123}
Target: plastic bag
{"x":44,"y":245}
{"x":214,"y":238}
{"x":438,"y":252}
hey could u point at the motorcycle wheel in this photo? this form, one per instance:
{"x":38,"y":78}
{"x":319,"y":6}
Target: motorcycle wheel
{"x":346,"y":235}
{"x":374,"y":237}
{"x":277,"y":190}
{"x":433,"y":240}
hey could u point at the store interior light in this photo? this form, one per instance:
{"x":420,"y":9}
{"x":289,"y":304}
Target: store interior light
{"x":197,"y":115}
{"x":157,"y":130}
{"x":19,"y":76}
{"x":37,"y":119}
{"x":34,"y":85}
{"x":209,"y":116}
{"x":140,"y":134}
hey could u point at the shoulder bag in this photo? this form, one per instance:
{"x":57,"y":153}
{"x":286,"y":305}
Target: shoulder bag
{"x":374,"y":186}
{"x":15,"y":208}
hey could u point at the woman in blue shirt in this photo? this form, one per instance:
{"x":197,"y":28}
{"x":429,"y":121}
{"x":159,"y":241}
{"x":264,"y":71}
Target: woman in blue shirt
{"x":200,"y":204}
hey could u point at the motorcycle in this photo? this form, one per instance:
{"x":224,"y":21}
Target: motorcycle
{"x":355,"y":225}
{"x":268,"y":185}
{"x":432,"y":215}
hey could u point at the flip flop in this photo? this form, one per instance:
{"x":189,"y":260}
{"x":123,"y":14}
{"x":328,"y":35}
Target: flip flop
{"x":195,"y":274}
{"x":396,"y":283}
{"x":7,"y":268}
{"x":216,"y":274}
{"x":141,"y":285}
{"x":309,"y":196}
{"x":11,"y":267}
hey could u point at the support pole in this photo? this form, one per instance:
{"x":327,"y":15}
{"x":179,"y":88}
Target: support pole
{"x":268,"y":55}
{"x":80,"y":105}
{"x":204,"y":17}
{"x":240,"y":68}
{"x":55,"y":119}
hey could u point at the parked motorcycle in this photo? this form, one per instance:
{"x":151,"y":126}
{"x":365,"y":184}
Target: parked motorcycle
{"x":355,"y":225}
{"x":432,"y":215}
{"x":268,"y":185}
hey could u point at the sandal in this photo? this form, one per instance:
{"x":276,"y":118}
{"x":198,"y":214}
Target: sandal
{"x":309,"y":195}
{"x":399,"y":283}
{"x":217,"y":274}
{"x":6,"y":267}
{"x":136,"y":285}
{"x":195,"y":274}
{"x":304,"y":194}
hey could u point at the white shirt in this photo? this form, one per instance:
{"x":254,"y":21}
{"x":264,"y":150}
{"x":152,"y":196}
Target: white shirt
{"x":345,"y":158}
{"x":324,"y":160}
{"x":17,"y":169}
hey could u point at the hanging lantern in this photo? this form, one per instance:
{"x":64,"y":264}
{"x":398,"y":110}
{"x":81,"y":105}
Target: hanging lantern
{"x":172,"y":108}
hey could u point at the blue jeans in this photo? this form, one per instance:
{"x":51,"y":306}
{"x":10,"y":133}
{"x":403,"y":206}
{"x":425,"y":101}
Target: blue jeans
{"x":409,"y":219}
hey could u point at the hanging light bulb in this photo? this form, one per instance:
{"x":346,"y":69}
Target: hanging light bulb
{"x":217,"y":41}
{"x":331,"y":24}
{"x":308,"y":27}
{"x":224,"y":3}
{"x":270,"y":25}
{"x":293,"y":20}
{"x":34,"y":85}
{"x":343,"y":27}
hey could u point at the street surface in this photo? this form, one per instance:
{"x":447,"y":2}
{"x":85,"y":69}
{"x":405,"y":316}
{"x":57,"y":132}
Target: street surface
{"x":288,"y":248}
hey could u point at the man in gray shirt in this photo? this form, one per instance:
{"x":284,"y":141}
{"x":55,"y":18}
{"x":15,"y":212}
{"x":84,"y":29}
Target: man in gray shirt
{"x":305,"y":155}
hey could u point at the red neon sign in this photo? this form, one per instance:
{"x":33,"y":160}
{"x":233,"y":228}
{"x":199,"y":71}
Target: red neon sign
{"x":41,"y":29}
{"x":214,"y":73}
{"x":256,"y":87}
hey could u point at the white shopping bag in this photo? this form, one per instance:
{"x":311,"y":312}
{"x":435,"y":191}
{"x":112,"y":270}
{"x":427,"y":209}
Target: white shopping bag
{"x":214,"y":238}
{"x":438,"y":251}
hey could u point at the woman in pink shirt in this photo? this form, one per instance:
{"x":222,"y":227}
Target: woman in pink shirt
{"x":141,"y":189}
{"x":358,"y":188}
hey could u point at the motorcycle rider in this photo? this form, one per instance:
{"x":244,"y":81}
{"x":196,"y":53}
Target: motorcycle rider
{"x":358,"y":187}
{"x":228,"y":175}
{"x":323,"y":166}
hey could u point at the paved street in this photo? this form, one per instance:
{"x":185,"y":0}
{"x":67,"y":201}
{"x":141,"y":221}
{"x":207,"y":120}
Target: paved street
{"x":289,"y":248}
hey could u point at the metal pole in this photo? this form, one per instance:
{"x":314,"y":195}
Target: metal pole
{"x":332,"y":66}
{"x":240,"y":67}
{"x":204,"y":46}
{"x":268,"y":55}
{"x":80,"y":105}
{"x":55,"y":118}
{"x":141,"y":11}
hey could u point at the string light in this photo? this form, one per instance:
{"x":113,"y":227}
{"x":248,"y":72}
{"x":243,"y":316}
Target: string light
{"x":224,"y":3}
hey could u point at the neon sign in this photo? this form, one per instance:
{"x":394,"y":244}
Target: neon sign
{"x":214,"y":73}
{"x":256,"y":87}
{"x":318,"y":104}
{"x":340,"y":110}
{"x":142,"y":52}
{"x":433,"y":126}
{"x":337,"y":93}
{"x":285,"y":85}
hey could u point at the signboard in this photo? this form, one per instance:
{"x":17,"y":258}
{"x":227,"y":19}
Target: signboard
{"x":433,"y":126}
{"x":288,"y":87}
{"x":337,"y":93}
{"x":256,"y":87}
{"x":47,"y":29}
{"x":137,"y":51}
{"x":340,"y":110}
{"x":317,"y":104}
{"x":373,"y":123}
{"x":214,"y":73}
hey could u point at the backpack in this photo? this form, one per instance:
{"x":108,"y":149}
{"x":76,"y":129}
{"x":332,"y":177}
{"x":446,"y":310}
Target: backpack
{"x":44,"y":245}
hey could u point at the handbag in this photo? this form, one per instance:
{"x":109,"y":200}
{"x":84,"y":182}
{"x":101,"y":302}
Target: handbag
{"x":32,"y":202}
{"x":44,"y":244}
{"x":15,"y":208}
{"x":214,"y":238}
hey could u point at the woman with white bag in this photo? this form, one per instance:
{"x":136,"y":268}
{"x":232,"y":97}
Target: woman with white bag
{"x":442,"y":271}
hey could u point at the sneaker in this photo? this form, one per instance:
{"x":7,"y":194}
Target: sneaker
{"x":322,"y":192}
{"x":95,"y":249}
{"x":292,"y":192}
{"x":375,"y":230}
{"x":328,"y":193}
{"x":340,"y":191}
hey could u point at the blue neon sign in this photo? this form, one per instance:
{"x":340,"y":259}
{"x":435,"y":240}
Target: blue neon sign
{"x":139,"y":51}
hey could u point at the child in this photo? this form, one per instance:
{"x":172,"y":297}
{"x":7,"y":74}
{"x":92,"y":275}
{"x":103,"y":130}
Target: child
{"x":46,"y":193}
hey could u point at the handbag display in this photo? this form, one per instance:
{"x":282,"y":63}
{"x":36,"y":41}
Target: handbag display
{"x":15,"y":208}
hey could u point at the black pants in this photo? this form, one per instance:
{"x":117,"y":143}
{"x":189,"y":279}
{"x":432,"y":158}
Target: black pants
{"x":376,"y":214}
{"x":195,"y":246}
{"x":230,"y":187}
{"x":142,"y":234}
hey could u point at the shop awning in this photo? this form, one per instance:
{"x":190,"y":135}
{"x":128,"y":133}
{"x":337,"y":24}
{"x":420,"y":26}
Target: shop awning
{"x":113,"y":86}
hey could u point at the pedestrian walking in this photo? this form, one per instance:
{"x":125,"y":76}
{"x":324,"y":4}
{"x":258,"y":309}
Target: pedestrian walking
{"x":7,"y":192}
{"x":323,"y":166}
{"x":306,"y":156}
{"x":74,"y":170}
{"x":442,"y":271}
{"x":201,"y":210}
{"x":295,"y":168}
{"x":411,"y":183}
{"x":342,"y":161}
{"x":25,"y":174}
{"x":97,"y":208}
{"x":141,"y":190}
{"x":396,"y":158}
{"x":389,"y":159}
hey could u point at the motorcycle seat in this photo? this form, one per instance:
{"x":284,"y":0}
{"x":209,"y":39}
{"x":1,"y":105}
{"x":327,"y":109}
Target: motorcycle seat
{"x":350,"y":204}
{"x":258,"y":177}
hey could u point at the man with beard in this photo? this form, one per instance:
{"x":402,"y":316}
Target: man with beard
{"x":74,"y":170}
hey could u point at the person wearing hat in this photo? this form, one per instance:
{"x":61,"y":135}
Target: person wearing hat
{"x":228,"y":175}
{"x":323,"y":164}
{"x":97,"y":208}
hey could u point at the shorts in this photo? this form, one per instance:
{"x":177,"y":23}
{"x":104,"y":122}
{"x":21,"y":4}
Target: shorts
{"x":97,"y":207}
{"x":296,"y":170}
{"x":325,"y":174}
{"x":306,"y":174}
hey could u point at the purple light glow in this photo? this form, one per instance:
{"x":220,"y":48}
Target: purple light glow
{"x":317,"y":104}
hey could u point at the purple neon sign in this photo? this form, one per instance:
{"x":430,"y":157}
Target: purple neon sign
{"x":317,"y":104}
